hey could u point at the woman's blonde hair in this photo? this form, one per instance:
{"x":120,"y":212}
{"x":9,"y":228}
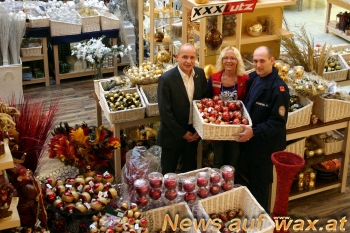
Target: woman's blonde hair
{"x":240,"y":64}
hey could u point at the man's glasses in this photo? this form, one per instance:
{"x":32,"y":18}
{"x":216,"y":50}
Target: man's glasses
{"x":229,"y":59}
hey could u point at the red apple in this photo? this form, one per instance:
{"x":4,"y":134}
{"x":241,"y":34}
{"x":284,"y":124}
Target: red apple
{"x":155,"y":194}
{"x":245,"y":121}
{"x":223,"y":217}
{"x":214,"y":178}
{"x":228,"y":175}
{"x":231,"y":214}
{"x":199,"y":105}
{"x":202,"y":192}
{"x":204,"y":101}
{"x":170,"y":194}
{"x":156,"y":182}
{"x":214,"y":189}
{"x":226,"y":186}
{"x":50,"y":196}
{"x":143,"y":222}
{"x":188,"y":186}
{"x":210,"y":103}
{"x":217,"y":108}
{"x":142,"y":201}
{"x":170,"y":183}
{"x":225,"y":109}
{"x":202,"y":181}
{"x":236,"y":121}
{"x":142,"y":190}
{"x":216,"y":98}
{"x":218,"y":122}
{"x":221,"y":103}
{"x":190,"y":197}
{"x":231,"y":106}
{"x":238,"y":105}
{"x":225,"y":116}
{"x":231,"y":115}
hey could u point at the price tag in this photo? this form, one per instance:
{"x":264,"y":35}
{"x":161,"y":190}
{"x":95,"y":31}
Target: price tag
{"x":87,"y":205}
{"x":91,"y":183}
{"x":49,"y":186}
{"x":14,"y":203}
{"x":37,"y":224}
{"x":106,"y":173}
{"x":92,"y":226}
{"x":68,"y":186}
{"x":202,"y":113}
{"x":105,"y":194}
{"x":136,"y":226}
{"x":100,"y":194}
{"x":120,"y":214}
{"x":209,"y":109}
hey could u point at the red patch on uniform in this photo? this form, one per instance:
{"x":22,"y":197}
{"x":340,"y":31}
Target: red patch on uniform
{"x":282,"y":88}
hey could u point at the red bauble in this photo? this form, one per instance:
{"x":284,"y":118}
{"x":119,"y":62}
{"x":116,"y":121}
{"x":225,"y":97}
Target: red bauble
{"x":228,"y":175}
{"x":202,"y":192}
{"x":214,"y":178}
{"x":155,"y":194}
{"x":189,"y":186}
{"x":142,"y":201}
{"x":226,"y":186}
{"x":214,"y":189}
{"x":142,"y":190}
{"x":155,"y":182}
{"x":202,"y":181}
{"x":189,"y":197}
{"x":170,"y":183}
{"x":170,"y":194}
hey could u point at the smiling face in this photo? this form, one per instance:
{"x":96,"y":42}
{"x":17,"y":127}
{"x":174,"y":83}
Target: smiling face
{"x":229,"y":61}
{"x":263,"y":61}
{"x":187,"y":58}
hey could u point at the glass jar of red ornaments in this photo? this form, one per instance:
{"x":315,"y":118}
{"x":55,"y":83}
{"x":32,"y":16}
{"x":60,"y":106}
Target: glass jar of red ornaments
{"x":141,"y":189}
{"x":170,"y":185}
{"x":202,"y":184}
{"x":189,"y":186}
{"x":155,"y":180}
{"x":228,"y":174}
{"x":215,"y":181}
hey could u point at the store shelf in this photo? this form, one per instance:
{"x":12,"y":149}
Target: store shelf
{"x":340,"y":3}
{"x":34,"y":58}
{"x":260,"y":3}
{"x":319,"y":187}
{"x":338,"y":33}
{"x":87,"y":72}
{"x":7,"y":161}
{"x":34,"y":81}
{"x":318,"y":159}
{"x":12,"y":222}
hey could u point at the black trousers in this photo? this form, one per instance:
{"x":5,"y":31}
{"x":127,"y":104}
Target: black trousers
{"x":225,"y":153}
{"x":184,"y":157}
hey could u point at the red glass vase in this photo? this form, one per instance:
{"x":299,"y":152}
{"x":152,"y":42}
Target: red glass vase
{"x":287,"y":166}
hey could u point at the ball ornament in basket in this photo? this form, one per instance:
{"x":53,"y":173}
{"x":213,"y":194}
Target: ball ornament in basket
{"x":308,"y":84}
{"x":163,"y":56}
{"x":146,"y":73}
{"x":119,"y":100}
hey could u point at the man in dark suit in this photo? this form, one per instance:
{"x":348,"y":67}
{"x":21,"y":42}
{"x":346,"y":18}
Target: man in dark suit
{"x":267,"y":103}
{"x":177,"y":88}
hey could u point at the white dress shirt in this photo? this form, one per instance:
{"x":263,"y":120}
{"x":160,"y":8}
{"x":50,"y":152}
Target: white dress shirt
{"x":189,"y":85}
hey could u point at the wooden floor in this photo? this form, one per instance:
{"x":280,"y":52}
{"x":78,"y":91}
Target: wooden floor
{"x":77,"y":105}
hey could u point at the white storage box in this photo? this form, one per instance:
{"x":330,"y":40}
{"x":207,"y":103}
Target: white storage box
{"x":11,"y":83}
{"x":239,"y":198}
{"x":130,"y":39}
{"x":128,"y":28}
{"x":209,"y":131}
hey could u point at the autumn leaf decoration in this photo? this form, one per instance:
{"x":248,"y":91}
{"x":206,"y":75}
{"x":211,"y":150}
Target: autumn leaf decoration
{"x":82,"y":146}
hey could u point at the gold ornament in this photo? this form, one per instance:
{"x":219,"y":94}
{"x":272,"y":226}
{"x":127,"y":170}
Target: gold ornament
{"x":163,"y":56}
{"x":209,"y":70}
{"x":201,"y":1}
{"x":254,"y":29}
{"x":213,"y":39}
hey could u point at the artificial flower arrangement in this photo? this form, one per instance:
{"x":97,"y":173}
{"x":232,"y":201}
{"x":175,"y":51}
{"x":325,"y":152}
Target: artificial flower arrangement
{"x":94,"y":51}
{"x":83,"y":145}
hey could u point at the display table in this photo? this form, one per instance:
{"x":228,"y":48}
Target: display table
{"x":341,"y":4}
{"x":58,"y":40}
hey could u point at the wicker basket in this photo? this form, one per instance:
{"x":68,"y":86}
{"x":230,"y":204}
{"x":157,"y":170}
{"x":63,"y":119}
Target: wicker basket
{"x":109,"y":21}
{"x":39,"y":22}
{"x":90,"y":20}
{"x":31,"y":52}
{"x":340,"y":49}
{"x":301,"y":116}
{"x":346,"y":59}
{"x":156,"y":217}
{"x":216,"y":132}
{"x":330,"y":147}
{"x":297,"y":147}
{"x":239,"y":198}
{"x":58,"y":28}
{"x":338,"y":75}
{"x":123,"y":115}
{"x":146,"y":92}
{"x":194,"y":172}
{"x":99,"y":89}
{"x":331,"y":109}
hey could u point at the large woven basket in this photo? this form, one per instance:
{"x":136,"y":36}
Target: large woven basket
{"x":214,"y":131}
{"x":301,"y":116}
{"x":331,"y":109}
{"x":194,"y":172}
{"x":123,"y":115}
{"x":149,"y":95}
{"x":297,"y":147}
{"x":109,"y":21}
{"x":39,"y":22}
{"x":338,"y":75}
{"x":340,"y":49}
{"x":58,"y":28}
{"x":346,"y":59}
{"x":239,"y":198}
{"x":157,"y":217}
{"x":99,"y":89}
{"x":31,"y":52}
{"x":330,"y":147}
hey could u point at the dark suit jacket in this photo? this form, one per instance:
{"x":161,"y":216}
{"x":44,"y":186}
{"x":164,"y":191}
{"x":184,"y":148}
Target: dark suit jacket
{"x":174,"y":106}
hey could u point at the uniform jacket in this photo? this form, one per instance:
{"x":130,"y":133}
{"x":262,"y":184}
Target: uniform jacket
{"x":241,"y":84}
{"x":269,"y":113}
{"x":174,"y":106}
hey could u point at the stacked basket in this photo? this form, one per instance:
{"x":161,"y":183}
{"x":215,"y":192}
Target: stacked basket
{"x":149,"y":95}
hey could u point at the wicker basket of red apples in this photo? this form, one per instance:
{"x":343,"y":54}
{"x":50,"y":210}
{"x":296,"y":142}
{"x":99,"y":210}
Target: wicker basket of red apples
{"x":215,"y":119}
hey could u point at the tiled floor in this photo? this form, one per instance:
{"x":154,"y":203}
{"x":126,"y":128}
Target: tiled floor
{"x":313,"y":16}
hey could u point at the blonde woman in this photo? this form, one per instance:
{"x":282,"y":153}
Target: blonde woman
{"x":230,"y":81}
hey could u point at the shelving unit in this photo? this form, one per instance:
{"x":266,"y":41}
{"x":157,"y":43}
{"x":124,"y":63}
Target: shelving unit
{"x":241,"y":40}
{"x":5,"y":163}
{"x":312,"y":129}
{"x":341,"y":4}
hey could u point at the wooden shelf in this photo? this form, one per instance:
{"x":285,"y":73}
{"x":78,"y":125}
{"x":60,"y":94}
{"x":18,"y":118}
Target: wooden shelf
{"x":7,"y":161}
{"x":34,"y":58}
{"x":260,"y":3}
{"x":34,"y":81}
{"x":12,"y":222}
{"x":319,"y":187}
{"x":340,"y":3}
{"x":318,"y":159}
{"x":87,"y":72}
{"x":338,"y":33}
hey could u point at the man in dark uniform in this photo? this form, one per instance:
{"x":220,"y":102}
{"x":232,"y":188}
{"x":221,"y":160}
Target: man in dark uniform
{"x":177,"y":88}
{"x":267,"y":103}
